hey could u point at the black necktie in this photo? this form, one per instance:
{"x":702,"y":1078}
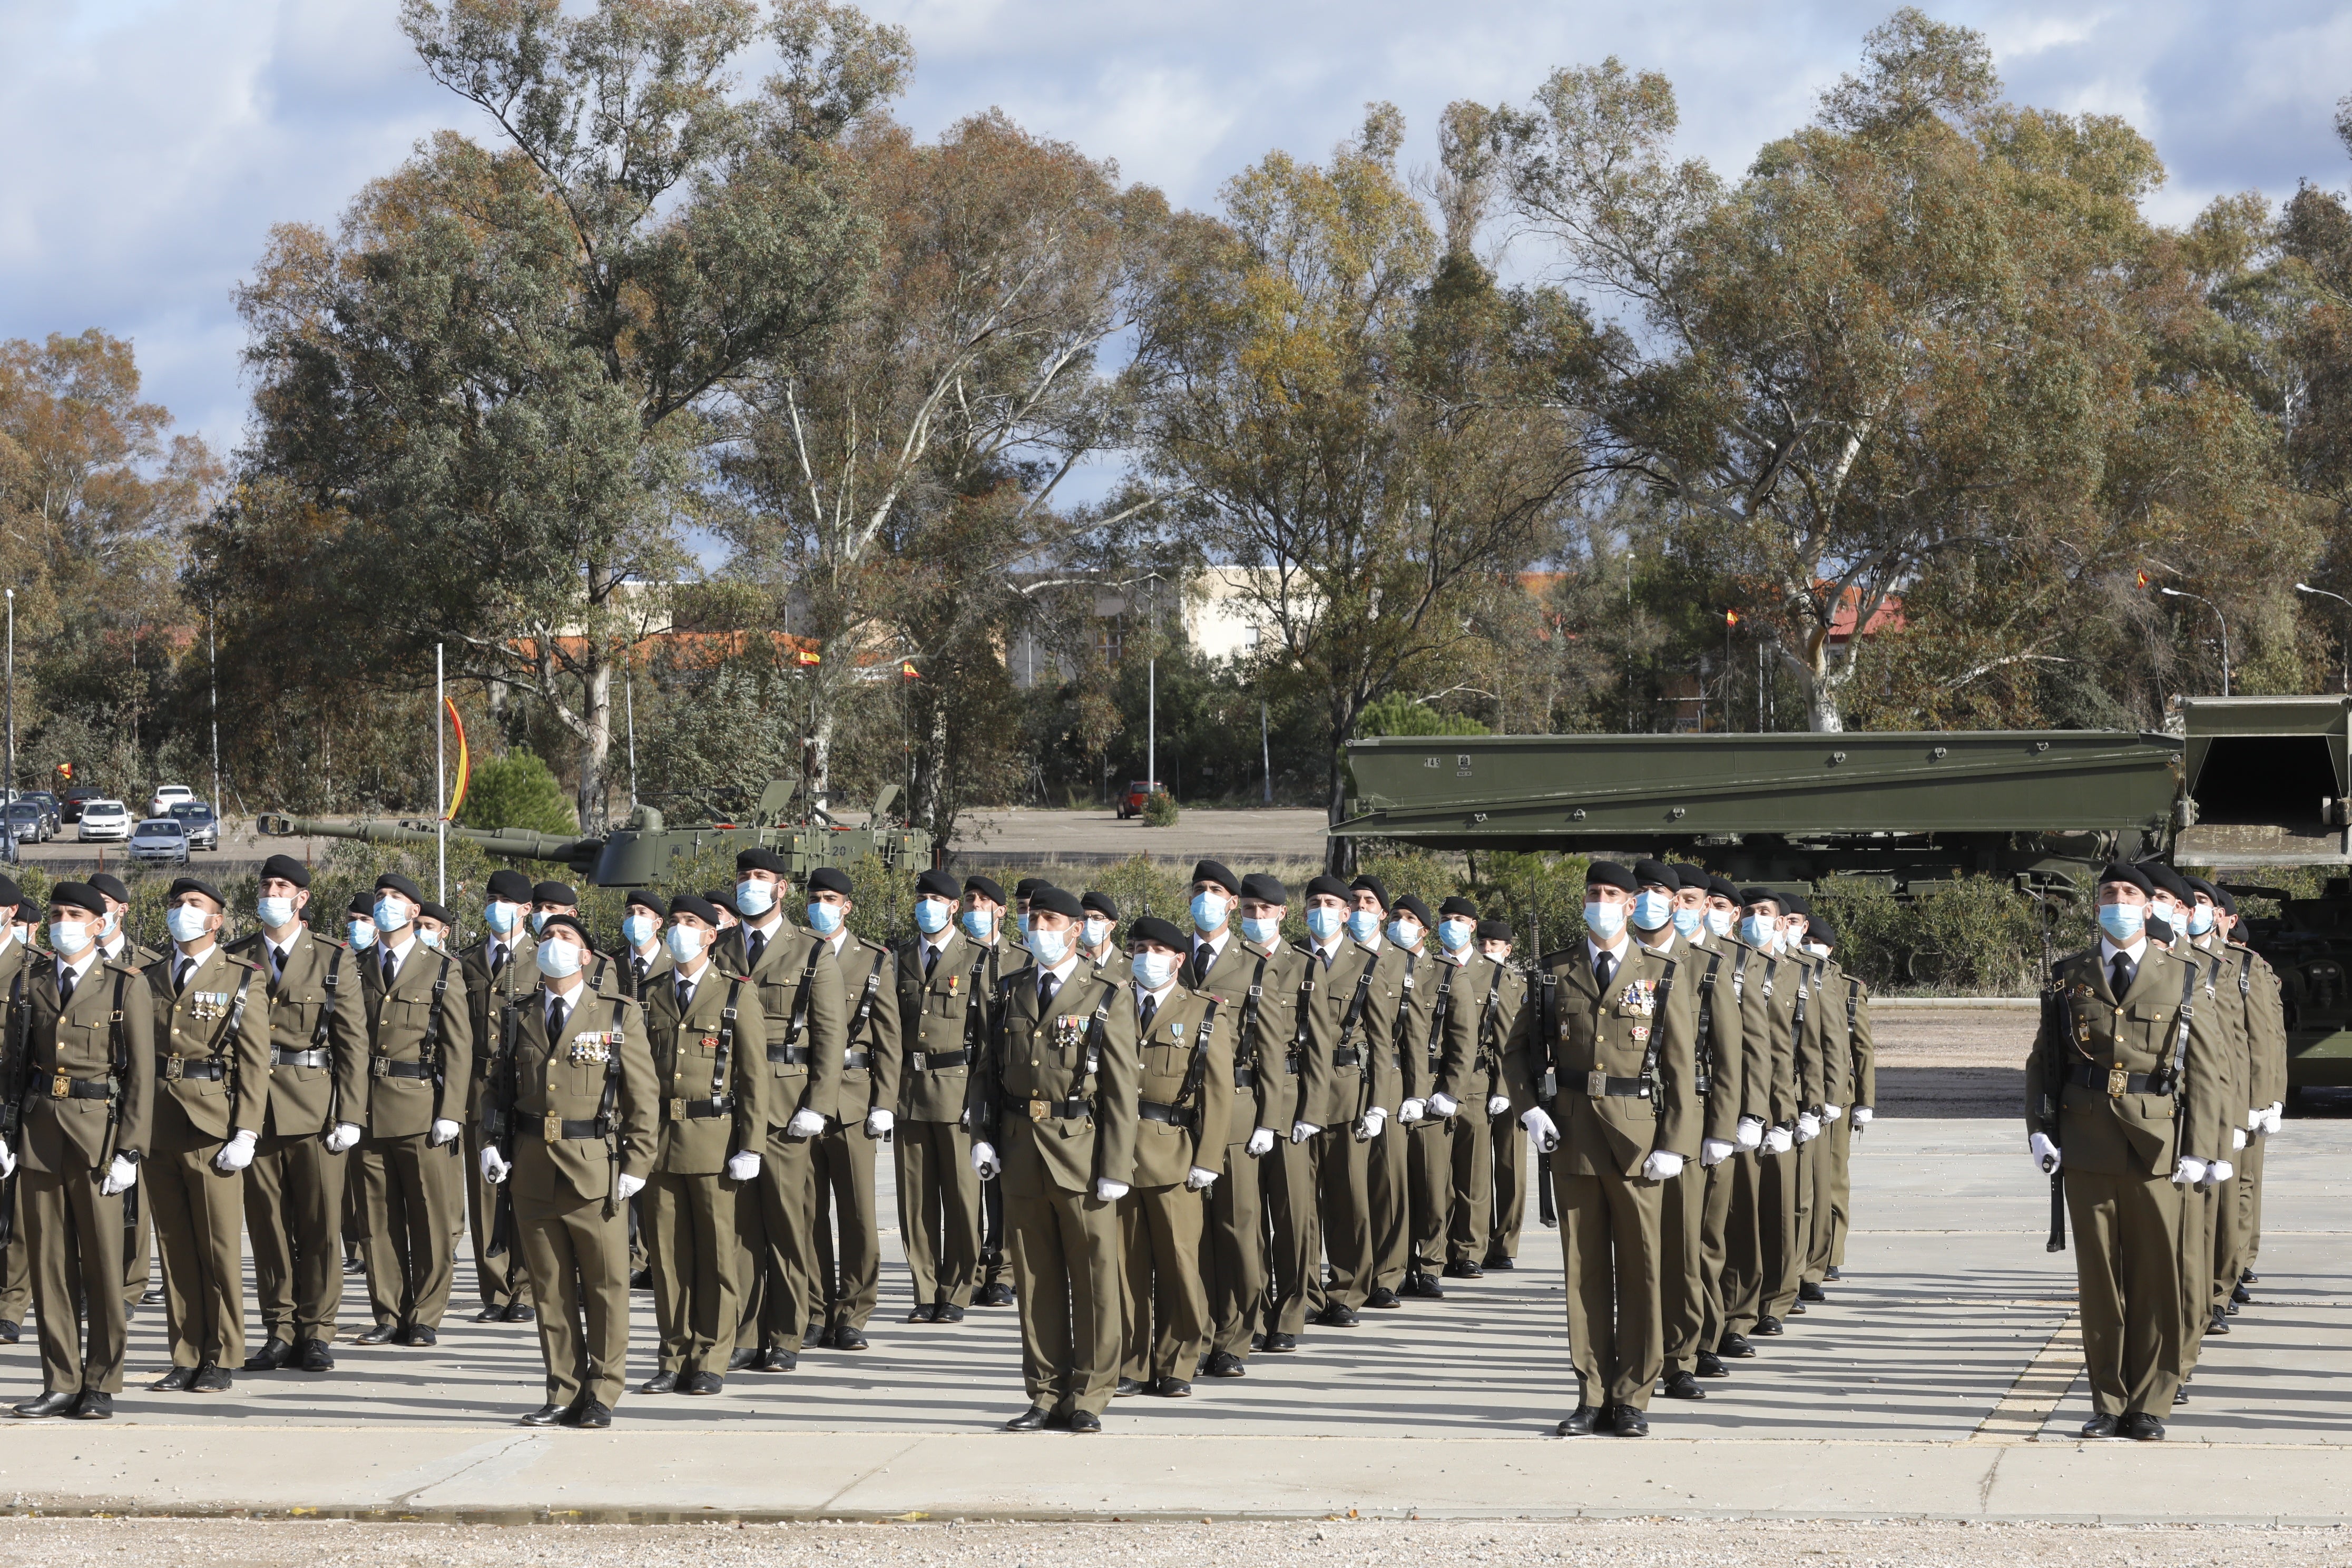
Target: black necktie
{"x":2122,"y":978}
{"x":497,"y":958}
{"x":1202,"y":956}
{"x":1046,"y":985}
{"x":756,"y":945}
{"x":1324,"y":953}
{"x":642,"y":967}
{"x":931,"y":959}
{"x":391,"y":968}
{"x":64,"y":988}
{"x":180,"y":974}
{"x":1605,"y":964}
{"x":684,"y":996}
{"x":278,"y":960}
{"x":556,"y":1013}
{"x":1143,"y":1019}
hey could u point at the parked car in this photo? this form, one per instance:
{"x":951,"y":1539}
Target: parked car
{"x":160,"y":838}
{"x":48,"y":809}
{"x":1138,"y":796}
{"x":69,"y":803}
{"x":203,"y":826}
{"x":166,"y":796}
{"x":103,"y":820}
{"x":28,"y":821}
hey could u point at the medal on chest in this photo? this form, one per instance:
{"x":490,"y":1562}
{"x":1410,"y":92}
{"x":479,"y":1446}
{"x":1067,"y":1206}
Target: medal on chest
{"x":1068,"y":1030}
{"x":1638,"y":1000}
{"x":592,"y":1047}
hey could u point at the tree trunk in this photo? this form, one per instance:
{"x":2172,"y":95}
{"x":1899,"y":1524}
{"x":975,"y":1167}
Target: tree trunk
{"x":1338,"y":854}
{"x":820,"y":753}
{"x":596,"y":744}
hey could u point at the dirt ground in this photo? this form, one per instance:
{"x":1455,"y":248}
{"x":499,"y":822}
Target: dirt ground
{"x":1952,"y":1061}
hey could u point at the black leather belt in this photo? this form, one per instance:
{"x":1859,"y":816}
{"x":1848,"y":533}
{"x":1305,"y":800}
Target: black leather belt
{"x":1347,"y":1056}
{"x":2114,"y":1080}
{"x":310,"y":1059}
{"x":552,"y":1128}
{"x":695,"y":1110}
{"x":933,"y":1061}
{"x":1598,"y":1085}
{"x":64,"y":1088}
{"x":203,"y":1068}
{"x":789,"y":1056}
{"x":1170,"y":1115}
{"x":852,"y":1062}
{"x":1244,"y":1077}
{"x":384,"y":1067}
{"x":1058,"y":1110}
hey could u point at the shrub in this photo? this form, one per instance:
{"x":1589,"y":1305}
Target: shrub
{"x":1159,"y":809}
{"x":518,"y":790}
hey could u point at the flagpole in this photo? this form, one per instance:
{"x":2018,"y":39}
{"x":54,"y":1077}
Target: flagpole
{"x":440,"y":785}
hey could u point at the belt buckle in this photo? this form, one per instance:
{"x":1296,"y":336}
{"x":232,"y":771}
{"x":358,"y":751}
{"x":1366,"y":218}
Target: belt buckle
{"x":915,"y":1057}
{"x":61,"y":1088}
{"x":552,"y":1129}
{"x":677,"y":1111}
{"x":1596,"y":1083}
{"x":1039,"y":1109}
{"x":2116,"y":1079}
{"x":175,"y":1067}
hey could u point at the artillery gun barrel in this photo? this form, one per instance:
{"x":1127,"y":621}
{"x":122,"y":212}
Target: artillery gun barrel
{"x":515,"y":843}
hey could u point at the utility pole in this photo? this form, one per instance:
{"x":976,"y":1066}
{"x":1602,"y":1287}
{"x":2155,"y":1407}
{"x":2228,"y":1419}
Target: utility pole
{"x":11,"y":788}
{"x":212,"y":654}
{"x":441,"y":784}
{"x":1265,"y":750}
{"x":629,"y":690}
{"x":2344,"y":642}
{"x":1152,"y":699}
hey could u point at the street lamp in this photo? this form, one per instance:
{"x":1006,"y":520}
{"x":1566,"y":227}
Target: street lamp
{"x":2177,"y":593}
{"x":2345,"y":642}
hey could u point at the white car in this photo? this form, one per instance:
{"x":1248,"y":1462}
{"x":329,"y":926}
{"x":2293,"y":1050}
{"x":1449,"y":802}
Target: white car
{"x":103,"y":819}
{"x":166,"y":796}
{"x":161,"y":838}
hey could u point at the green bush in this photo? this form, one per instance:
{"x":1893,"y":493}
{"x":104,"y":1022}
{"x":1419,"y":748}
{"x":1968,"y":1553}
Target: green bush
{"x":1159,"y":809}
{"x":518,"y":790}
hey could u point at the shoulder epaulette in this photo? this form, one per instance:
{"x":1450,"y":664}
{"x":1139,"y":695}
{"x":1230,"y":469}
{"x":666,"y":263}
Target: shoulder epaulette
{"x":240,"y":958}
{"x":250,"y":942}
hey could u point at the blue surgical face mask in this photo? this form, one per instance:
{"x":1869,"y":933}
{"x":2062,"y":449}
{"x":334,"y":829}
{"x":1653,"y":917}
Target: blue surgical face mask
{"x":538,"y":921}
{"x":1653,"y":909}
{"x":186,"y":921}
{"x":276,"y":914}
{"x":1719,"y":921}
{"x":1455,"y":934}
{"x":391,"y":913}
{"x":825,"y":919}
{"x":932,"y":915}
{"x":1362,"y":924}
{"x":1049,"y":946}
{"x":1603,"y":920}
{"x":1405,"y":933}
{"x":1209,"y":911}
{"x":1760,"y":931}
{"x":361,"y":933}
{"x":1323,"y":922}
{"x":68,"y":938}
{"x":558,"y":958}
{"x":1097,"y":930}
{"x":684,"y":941}
{"x":2201,"y":919}
{"x":979,"y":924}
{"x":1688,"y":921}
{"x":639,"y":928}
{"x":754,"y":898}
{"x":1154,"y":969}
{"x":429,"y":938}
{"x":2122,"y":923}
{"x":1265,"y":932}
{"x":501,"y":916}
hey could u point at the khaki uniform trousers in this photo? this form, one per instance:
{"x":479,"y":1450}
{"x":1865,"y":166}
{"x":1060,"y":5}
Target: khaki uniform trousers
{"x":1511,"y":1163}
{"x":692,"y":1249}
{"x":1841,"y":1141}
{"x":1429,"y":1171}
{"x":1470,"y":1187}
{"x":1295,"y":1241}
{"x":293,"y":1211}
{"x":939,"y":1211}
{"x":16,"y":1267}
{"x":200,"y":1229}
{"x":776,"y":1257}
{"x":1756,"y":1194}
{"x":406,"y":1191}
{"x":495,"y":1278}
{"x":1610,"y":1235}
{"x":1821,"y":1221}
{"x":577,"y":1258}
{"x":1683,"y":1282}
{"x":2126,"y":1270}
{"x":1781,"y":1213}
{"x":1388,"y":1184}
{"x":1233,"y":1259}
{"x":2201,"y":1214}
{"x":74,"y":1238}
{"x":1343,"y":1214}
{"x":2245,"y":1220}
{"x":138,"y":1245}
{"x":2253,"y":1199}
{"x":1715,"y":1239}
{"x":1166,"y":1328}
{"x":1067,"y":1271}
{"x":848,"y":1238}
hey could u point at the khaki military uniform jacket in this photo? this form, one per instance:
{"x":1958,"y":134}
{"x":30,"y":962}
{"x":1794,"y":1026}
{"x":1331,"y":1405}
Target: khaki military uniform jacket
{"x":1852,"y":1011}
{"x":2266,"y":1013}
{"x":1481,"y":1012}
{"x":2232,"y":990}
{"x":1266,"y":1085}
{"x":1112,"y":966}
{"x":639,"y":988}
{"x":106,"y":1032}
{"x":944,"y":1023}
{"x":1426,"y":973}
{"x":406,"y":1090}
{"x":1601,"y":1040}
{"x":1176,"y":1129}
{"x":597,"y":1079}
{"x":799,"y":987}
{"x":710,"y":1072}
{"x":1351,"y":1067}
{"x":194,"y":1035}
{"x":1056,"y":1093}
{"x":872,"y":1065}
{"x":309,"y":1018}
{"x":486,"y":1000}
{"x":1718,"y":987}
{"x":2125,"y":1125}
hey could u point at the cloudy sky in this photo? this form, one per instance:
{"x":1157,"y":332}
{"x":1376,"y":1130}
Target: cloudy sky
{"x":157,"y":141}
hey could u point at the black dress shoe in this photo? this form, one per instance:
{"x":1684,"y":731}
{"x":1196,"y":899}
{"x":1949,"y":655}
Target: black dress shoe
{"x":1462,"y":1268}
{"x":2219,"y":1325}
{"x":846,"y":1338}
{"x":2249,"y":1277}
{"x":1735,"y":1347}
{"x":2142,"y":1428}
{"x":1173,"y":1388}
{"x":1057,"y":1419}
{"x":1127,"y":1388}
{"x":1279,"y":1344}
{"x":175,"y":1381}
{"x":703,"y":1382}
{"x":659,"y":1383}
{"x":1087,"y":1421}
{"x":2099,"y":1427}
{"x":55,"y":1404}
{"x":95,"y":1405}
{"x":381,"y":1335}
{"x":545,"y":1416}
{"x":1336,"y":1315}
{"x":641,"y":1278}
{"x":312,"y":1355}
{"x":1424,"y":1286}
{"x":1033,"y":1419}
{"x":495,"y":1313}
{"x":1382,"y":1297}
{"x":588,"y":1415}
{"x":742,"y":1357}
{"x":1831,"y":1273}
{"x":2180,"y":1396}
{"x":776,"y":1358}
{"x":1768,"y":1326}
{"x":928,"y":1312}
{"x":421,"y":1337}
{"x":1578,"y":1423}
{"x":820,"y":1337}
{"x":1496,"y":1262}
{"x":1629,"y":1422}
{"x":274,"y":1353}
{"x":10,"y":1333}
{"x":211,"y":1378}
{"x":1711,"y":1365}
{"x":153,"y":1298}
{"x":997,"y":1294}
{"x":1796,"y":1308}
{"x":354,"y":1265}
{"x":1683,"y":1386}
{"x":951,"y":1313}
{"x":1809,"y":1292}
{"x":521,"y":1312}
{"x":1224,"y":1363}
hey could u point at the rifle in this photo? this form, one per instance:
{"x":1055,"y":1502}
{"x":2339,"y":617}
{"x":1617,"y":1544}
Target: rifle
{"x":2057,"y":1030}
{"x":12,"y":1111}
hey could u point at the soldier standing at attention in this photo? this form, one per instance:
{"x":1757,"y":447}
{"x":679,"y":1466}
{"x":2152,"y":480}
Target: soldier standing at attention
{"x":1786,"y":1023}
{"x":1348,"y":1094}
{"x":863,"y":1113}
{"x":318,"y":1089}
{"x":498,"y":971}
{"x":644,"y":959}
{"x":573,"y":1101}
{"x":707,"y":1037}
{"x":15,"y":1263}
{"x":420,"y":1055}
{"x":79,"y":1120}
{"x":1429,"y":1167}
{"x":943,"y":1021}
{"x":1602,"y":1065}
{"x":2132,"y":1092}
{"x":1483,"y":1008}
{"x":212,"y":1070}
{"x":1263,"y":1091}
{"x":1404,"y":1055}
{"x":1739,"y":1061}
{"x":1058,"y":1092}
{"x":115,"y":946}
{"x":2266,"y":1016}
{"x":984,"y":922}
{"x":1845,"y":1016}
{"x":1098,"y":934}
{"x":1504,"y":1136}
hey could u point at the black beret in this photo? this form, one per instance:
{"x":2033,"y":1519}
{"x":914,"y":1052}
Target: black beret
{"x":1214,"y":871}
{"x":1819,"y":930}
{"x":363,"y":906}
{"x":2168,"y":881}
{"x":1494,"y":931}
{"x":1648,"y":871}
{"x":938,"y":884}
{"x":1152,"y":928}
{"x":1722,"y":887}
{"x":1609,"y":874}
{"x":830,"y":880}
{"x":553,"y":893}
{"x":1371,"y":884}
{"x":508,"y":886}
{"x":401,"y":885}
{"x":645,"y":898}
{"x":436,"y":913}
{"x":1795,"y":904}
{"x":77,"y":895}
{"x":694,"y":904}
{"x":2226,"y":899}
{"x":287,"y":868}
{"x":11,"y":895}
{"x":109,"y":884}
{"x":1690,"y":876}
{"x":1026,"y":886}
{"x":987,"y":888}
{"x":1101,"y":903}
{"x":1046,"y":898}
{"x":1318,"y":887}
{"x":760,"y":859}
{"x":560,"y":920}
{"x":1761,"y":895}
{"x":722,"y":899}
{"x":1457,"y":905}
{"x":2123,"y":871}
{"x":1411,"y":904}
{"x":1266,"y":889}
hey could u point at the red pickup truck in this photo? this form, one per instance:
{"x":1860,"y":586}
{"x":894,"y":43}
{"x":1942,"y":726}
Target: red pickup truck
{"x":1139,"y":794}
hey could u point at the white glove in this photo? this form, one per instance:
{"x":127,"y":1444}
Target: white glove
{"x":1862,"y":1116}
{"x":1540,"y":1128}
{"x":2046,"y":1157}
{"x":1300,"y":1131}
{"x":2237,"y":1139}
{"x":237,"y":1153}
{"x":1714,"y":1151}
{"x":879,"y":1121}
{"x":2274,"y":1115}
{"x":1200,"y":1181}
{"x":1778,"y":1141}
{"x":2189,"y":1172}
{"x":743,"y":1165}
{"x":1442,"y":1104}
{"x":1809,"y":1127}
{"x":1832,"y":1112}
{"x":2254,"y":1119}
{"x":1663,"y":1165}
{"x":1409,"y":1112}
{"x":120,"y":1177}
{"x":985,"y":1162}
{"x":494,"y":1164}
{"x":1261,"y":1142}
{"x":7,"y":1163}
{"x":2219,"y":1170}
{"x":1498,"y":1104}
{"x":1108,"y":1190}
{"x":805,"y":1123}
{"x":629,"y":1187}
{"x":1374,"y":1120}
{"x":442,"y":1133}
{"x":342,"y":1137}
{"x":1750,"y":1134}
